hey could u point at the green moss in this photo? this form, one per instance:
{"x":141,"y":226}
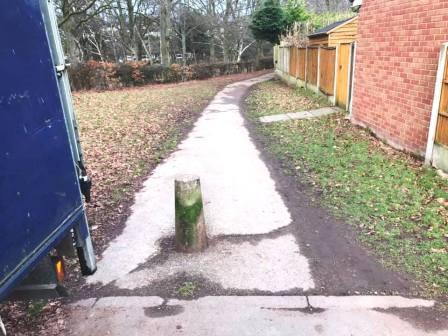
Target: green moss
{"x":36,"y":307}
{"x":187,"y":289}
{"x":187,"y":217}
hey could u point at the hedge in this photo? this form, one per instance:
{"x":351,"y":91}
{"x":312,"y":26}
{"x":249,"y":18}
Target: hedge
{"x":93,"y":75}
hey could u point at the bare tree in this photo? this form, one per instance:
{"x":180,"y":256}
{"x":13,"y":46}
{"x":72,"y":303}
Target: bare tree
{"x":209,"y":30}
{"x":328,"y":5}
{"x":165,"y":26}
{"x":73,"y":14}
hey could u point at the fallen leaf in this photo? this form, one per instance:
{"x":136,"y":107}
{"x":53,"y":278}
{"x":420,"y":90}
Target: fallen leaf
{"x":442,"y":251}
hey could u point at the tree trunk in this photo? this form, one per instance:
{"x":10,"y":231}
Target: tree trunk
{"x":145,"y":45}
{"x":71,"y":48}
{"x":164,"y":32}
{"x":225,"y":55}
{"x":212,"y":50}
{"x":257,"y":55}
{"x":70,"y":44}
{"x":190,"y":225}
{"x":184,"y":36}
{"x":226,"y":28}
{"x":184,"y":47}
{"x":226,"y":49}
{"x":133,"y":43}
{"x":211,"y":11}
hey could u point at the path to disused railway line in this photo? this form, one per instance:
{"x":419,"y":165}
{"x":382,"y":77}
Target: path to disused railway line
{"x":277,"y":263}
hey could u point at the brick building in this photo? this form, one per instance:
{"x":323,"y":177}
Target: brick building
{"x":397,"y":58}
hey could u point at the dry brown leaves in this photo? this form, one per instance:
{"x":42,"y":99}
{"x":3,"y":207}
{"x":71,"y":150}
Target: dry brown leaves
{"x":34,"y":318}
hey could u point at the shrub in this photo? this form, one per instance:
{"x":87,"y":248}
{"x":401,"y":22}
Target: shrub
{"x":93,"y":75}
{"x":137,"y":74}
{"x":220,"y":69}
{"x":266,"y":63}
{"x":124,"y":74}
{"x":175,"y":73}
{"x":201,"y":71}
{"x":155,"y":73}
{"x":104,"y":75}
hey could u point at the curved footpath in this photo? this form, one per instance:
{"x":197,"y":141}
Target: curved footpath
{"x":254,"y":279}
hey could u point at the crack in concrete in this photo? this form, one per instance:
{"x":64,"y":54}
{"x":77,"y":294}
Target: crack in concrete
{"x":309,"y":309}
{"x":163,"y":310}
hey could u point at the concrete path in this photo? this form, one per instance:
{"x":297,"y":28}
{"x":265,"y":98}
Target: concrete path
{"x":251,"y":251}
{"x":300,"y":115}
{"x":251,"y":315}
{"x":239,"y":199}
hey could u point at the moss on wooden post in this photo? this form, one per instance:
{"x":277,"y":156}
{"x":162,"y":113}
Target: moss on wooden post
{"x":190,"y":226}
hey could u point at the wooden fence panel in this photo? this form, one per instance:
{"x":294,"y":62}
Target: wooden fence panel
{"x":343,"y":75}
{"x":317,"y":66}
{"x":293,"y":61}
{"x":281,"y":59}
{"x":301,"y":60}
{"x":442,"y":121}
{"x":311,"y":68}
{"x":285,"y":59}
{"x":326,"y":69}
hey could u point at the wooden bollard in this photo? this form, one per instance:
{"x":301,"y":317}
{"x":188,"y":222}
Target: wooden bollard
{"x":191,"y":235}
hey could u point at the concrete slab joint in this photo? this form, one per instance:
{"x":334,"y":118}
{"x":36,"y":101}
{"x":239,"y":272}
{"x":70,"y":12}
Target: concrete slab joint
{"x":253,"y":315}
{"x":300,"y":115}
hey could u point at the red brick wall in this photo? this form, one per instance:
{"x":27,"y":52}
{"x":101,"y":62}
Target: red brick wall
{"x":396,"y":65}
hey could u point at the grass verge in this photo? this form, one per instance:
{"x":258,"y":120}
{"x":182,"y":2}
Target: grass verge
{"x":398,"y":206}
{"x":284,"y":99}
